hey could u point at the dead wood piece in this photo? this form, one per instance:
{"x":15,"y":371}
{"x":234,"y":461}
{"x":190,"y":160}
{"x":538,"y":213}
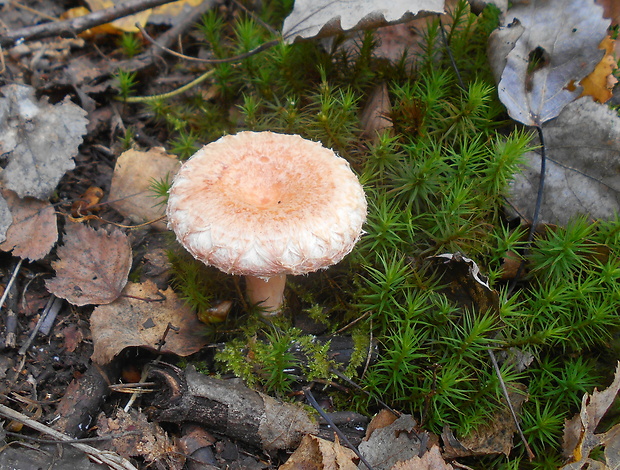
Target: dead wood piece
{"x":77,"y":25}
{"x":83,"y":399}
{"x":228,"y":407}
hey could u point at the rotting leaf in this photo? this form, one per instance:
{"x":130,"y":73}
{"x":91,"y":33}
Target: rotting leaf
{"x":92,"y":266}
{"x":579,"y":437}
{"x":134,"y":322}
{"x":38,"y":139}
{"x":33,"y":231}
{"x":310,"y":18}
{"x":580,"y":178}
{"x":558,"y":45}
{"x":315,"y":452}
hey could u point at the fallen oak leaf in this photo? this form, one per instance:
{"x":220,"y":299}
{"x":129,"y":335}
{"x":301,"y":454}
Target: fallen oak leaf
{"x":131,"y":322}
{"x":33,"y":231}
{"x":92,"y":266}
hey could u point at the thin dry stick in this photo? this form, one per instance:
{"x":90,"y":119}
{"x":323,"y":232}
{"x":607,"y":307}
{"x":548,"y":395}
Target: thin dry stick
{"x":7,"y":289}
{"x":111,"y":459}
{"x":74,"y":26}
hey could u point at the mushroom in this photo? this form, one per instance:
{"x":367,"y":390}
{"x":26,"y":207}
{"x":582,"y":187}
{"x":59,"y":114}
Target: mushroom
{"x":264,"y":205}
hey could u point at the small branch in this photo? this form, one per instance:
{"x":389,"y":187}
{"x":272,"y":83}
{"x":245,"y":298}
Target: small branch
{"x":111,"y":459}
{"x":74,"y":26}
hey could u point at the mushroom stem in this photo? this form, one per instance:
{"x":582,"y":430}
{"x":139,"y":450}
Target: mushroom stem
{"x":267,"y":292}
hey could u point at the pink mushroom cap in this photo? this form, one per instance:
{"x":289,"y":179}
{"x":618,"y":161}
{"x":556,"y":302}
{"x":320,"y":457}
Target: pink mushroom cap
{"x":265,"y":204}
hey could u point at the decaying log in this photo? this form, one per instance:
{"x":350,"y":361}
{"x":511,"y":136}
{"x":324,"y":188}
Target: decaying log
{"x":228,"y":407}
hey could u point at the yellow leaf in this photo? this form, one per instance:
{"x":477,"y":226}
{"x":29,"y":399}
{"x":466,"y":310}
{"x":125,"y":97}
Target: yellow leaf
{"x":601,"y":81}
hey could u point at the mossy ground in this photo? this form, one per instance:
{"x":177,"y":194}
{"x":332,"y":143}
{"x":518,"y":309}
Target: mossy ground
{"x":436,"y":182}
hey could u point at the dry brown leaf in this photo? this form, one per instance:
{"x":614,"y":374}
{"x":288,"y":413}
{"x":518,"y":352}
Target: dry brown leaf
{"x":320,"y":454}
{"x":431,"y":460}
{"x":133,"y":175}
{"x":579,"y":437}
{"x":92,"y":266}
{"x":600,"y":82}
{"x":33,"y":232}
{"x":146,"y":440}
{"x":132,"y":322}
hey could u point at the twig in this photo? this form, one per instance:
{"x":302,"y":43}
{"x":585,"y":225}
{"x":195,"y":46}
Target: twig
{"x":111,"y":459}
{"x":51,"y":308}
{"x":74,"y":26}
{"x":11,"y":315}
{"x":310,"y":397}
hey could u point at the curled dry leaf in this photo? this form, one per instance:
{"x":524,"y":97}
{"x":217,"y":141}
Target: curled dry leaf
{"x":328,"y":17}
{"x":315,"y":452}
{"x":92,"y":266}
{"x":553,"y":43}
{"x":33,"y":231}
{"x":581,"y":178}
{"x":133,"y":322}
{"x":39,"y":140}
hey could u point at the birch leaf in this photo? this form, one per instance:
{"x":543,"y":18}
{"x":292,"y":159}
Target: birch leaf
{"x":92,"y":266}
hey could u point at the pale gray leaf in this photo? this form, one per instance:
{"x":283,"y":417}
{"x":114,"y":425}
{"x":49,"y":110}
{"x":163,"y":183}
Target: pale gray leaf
{"x":583,"y":166}
{"x":6,"y":219}
{"x":311,"y":17}
{"x":566,"y":35}
{"x":38,"y":140}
